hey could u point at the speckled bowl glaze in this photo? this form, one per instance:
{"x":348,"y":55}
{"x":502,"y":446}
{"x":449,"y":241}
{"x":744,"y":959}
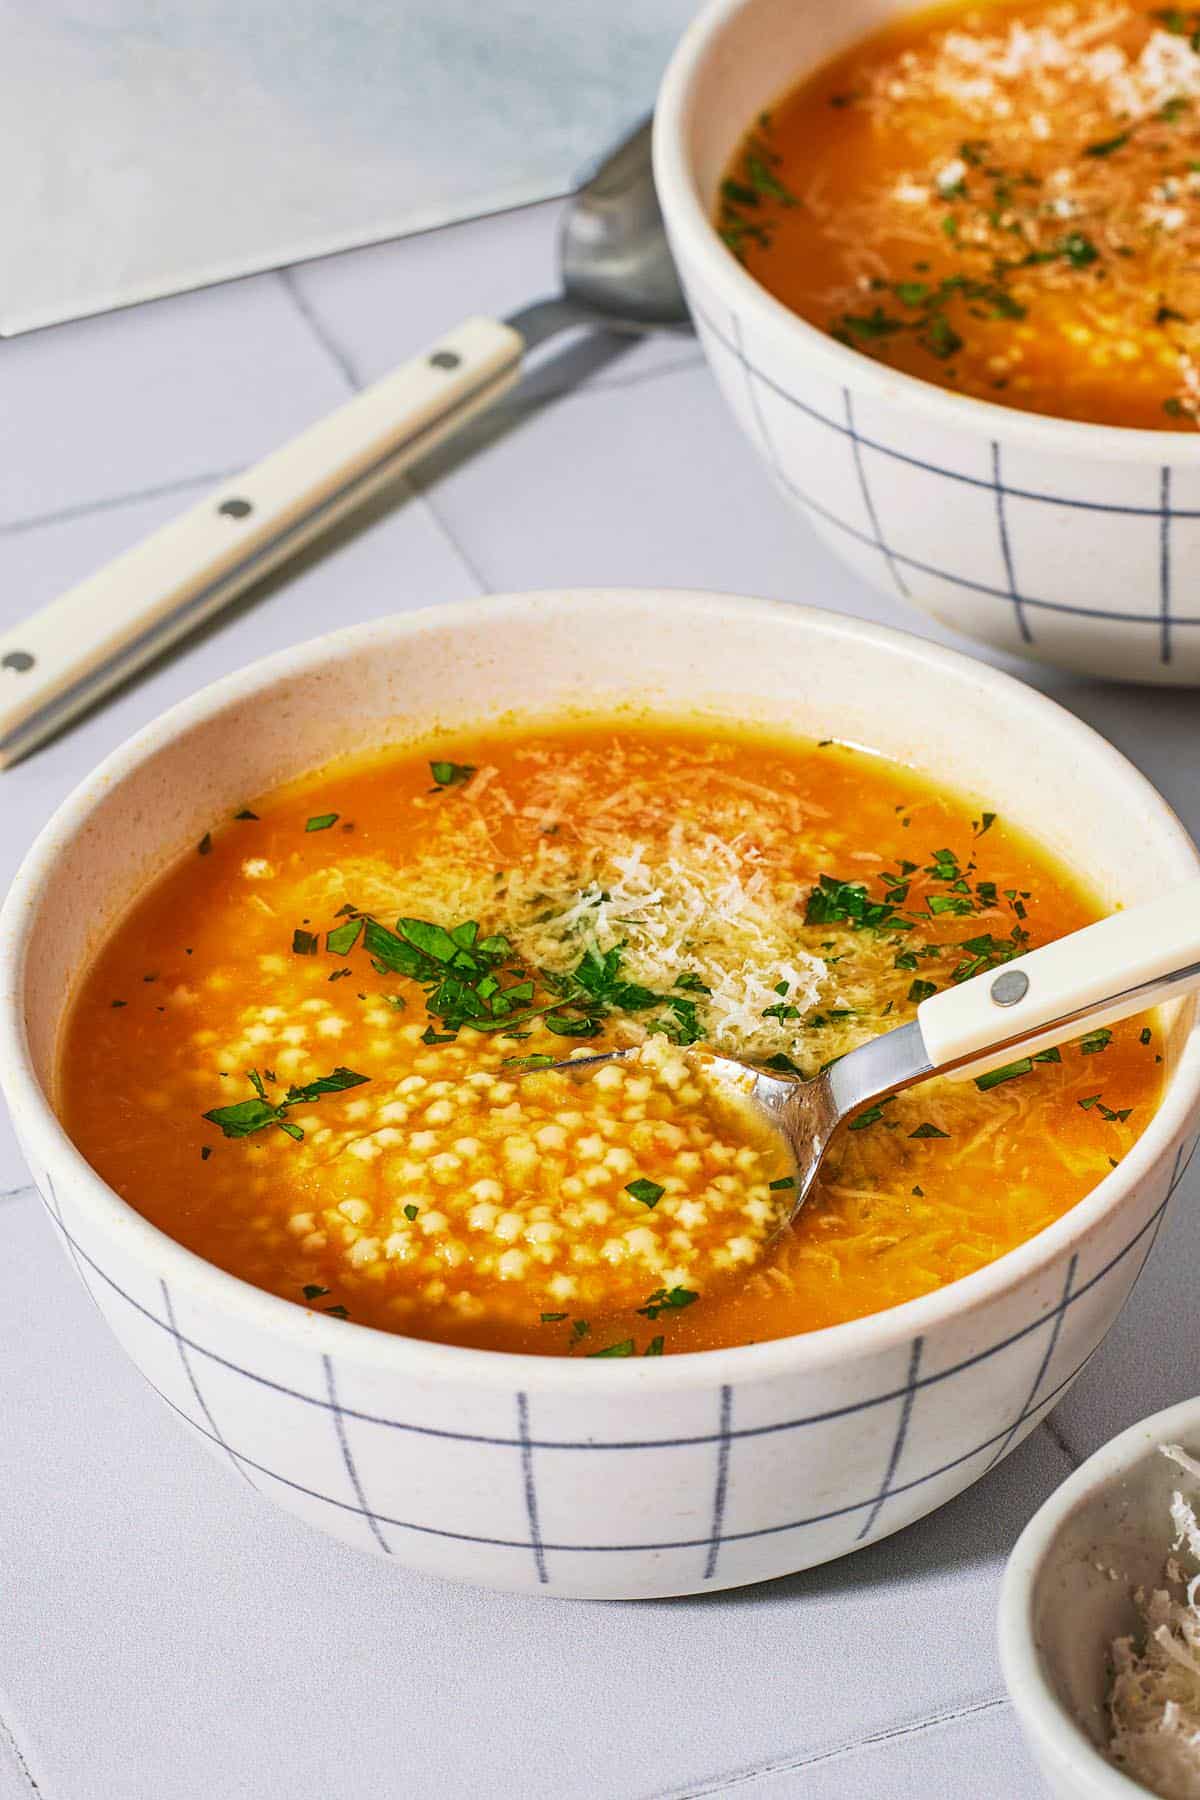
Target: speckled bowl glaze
{"x":1069,"y":1591}
{"x":597,"y":1478}
{"x":1073,"y":544}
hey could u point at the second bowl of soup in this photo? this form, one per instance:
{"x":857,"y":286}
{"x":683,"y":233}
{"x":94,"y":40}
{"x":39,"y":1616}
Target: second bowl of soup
{"x":943,"y":262}
{"x":283,"y":982}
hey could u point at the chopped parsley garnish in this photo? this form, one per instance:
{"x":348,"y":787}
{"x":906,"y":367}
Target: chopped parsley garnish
{"x":1095,"y":1041}
{"x":1113,"y":1115}
{"x":245,"y":814}
{"x":580,"y":1328}
{"x":1144,"y":1035}
{"x":922,"y":990}
{"x":1010,"y":1072}
{"x":1106,"y":146}
{"x":752,"y":197}
{"x":321,"y":821}
{"x":312,"y":1292}
{"x":342,"y":939}
{"x":205,"y":1152}
{"x":872,"y":1116}
{"x":926,"y":1130}
{"x":988,"y":951}
{"x":538,"y":1061}
{"x":463,"y":975}
{"x":411,"y":1211}
{"x":1053,"y":1055}
{"x":984,"y":823}
{"x":654,"y":1347}
{"x":305,"y":943}
{"x":553,"y":1318}
{"x":645,"y":1192}
{"x":247,"y":1116}
{"x":451,"y":774}
{"x":1078,"y":250}
{"x":785,"y":1181}
{"x":664,"y":1299}
{"x":834,"y":902}
{"x":337,"y":1312}
{"x":624,"y":1348}
{"x":205,"y":844}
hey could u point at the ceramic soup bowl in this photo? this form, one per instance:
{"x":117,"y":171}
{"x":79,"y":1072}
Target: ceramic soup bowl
{"x":599,"y":1478}
{"x":1075,"y":544}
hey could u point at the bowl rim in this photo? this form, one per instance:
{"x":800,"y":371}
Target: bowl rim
{"x":686,"y":216}
{"x":804,"y":1353}
{"x":1050,"y":1723}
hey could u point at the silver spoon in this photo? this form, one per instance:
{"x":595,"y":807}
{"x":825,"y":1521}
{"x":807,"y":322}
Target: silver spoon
{"x":617,"y":275}
{"x":1121,"y":965}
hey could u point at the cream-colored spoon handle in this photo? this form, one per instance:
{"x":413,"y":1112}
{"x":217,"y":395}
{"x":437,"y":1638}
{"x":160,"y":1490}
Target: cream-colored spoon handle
{"x":59,"y":662}
{"x":1121,"y":965}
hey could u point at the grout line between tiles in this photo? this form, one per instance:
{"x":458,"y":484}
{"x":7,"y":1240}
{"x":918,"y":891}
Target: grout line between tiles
{"x":9,"y":1742}
{"x":112,"y":502}
{"x":787,"y":1765}
{"x":344,"y":364}
{"x":336,"y":353}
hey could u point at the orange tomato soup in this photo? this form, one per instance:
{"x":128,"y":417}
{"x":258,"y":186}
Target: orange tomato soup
{"x":315,"y":1051}
{"x":1001,"y":199}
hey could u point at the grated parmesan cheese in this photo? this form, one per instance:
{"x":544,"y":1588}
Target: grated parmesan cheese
{"x":706,"y":909}
{"x":1154,"y":1699}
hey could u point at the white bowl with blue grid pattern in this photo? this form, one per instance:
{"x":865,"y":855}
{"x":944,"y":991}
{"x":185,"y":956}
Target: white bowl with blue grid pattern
{"x":1070,"y":543}
{"x":603,"y":1478}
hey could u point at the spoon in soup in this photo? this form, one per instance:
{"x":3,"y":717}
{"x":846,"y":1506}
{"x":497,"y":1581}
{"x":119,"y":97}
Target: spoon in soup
{"x":1123,"y":964}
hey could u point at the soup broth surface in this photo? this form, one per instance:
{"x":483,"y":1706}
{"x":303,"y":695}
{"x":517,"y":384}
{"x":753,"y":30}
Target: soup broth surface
{"x":313,"y":1052}
{"x":1001,"y":199}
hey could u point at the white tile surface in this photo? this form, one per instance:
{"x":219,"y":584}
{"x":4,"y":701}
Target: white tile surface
{"x":976,"y":1754}
{"x":192,"y":386}
{"x":167,"y":1635}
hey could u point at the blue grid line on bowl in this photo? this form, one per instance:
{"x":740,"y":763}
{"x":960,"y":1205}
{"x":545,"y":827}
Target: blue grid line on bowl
{"x":1154,"y":619}
{"x":898,"y":1442}
{"x":1150,"y":1225}
{"x":1161,"y":619}
{"x":721,"y":1490}
{"x":917,"y":462}
{"x":347,"y":1456}
{"x":531,"y":1501}
{"x":1006,"y":548}
{"x":856,"y":445}
{"x":1164,"y":564}
{"x":190,"y":1372}
{"x":713,"y":1541}
{"x":1058,"y":1315}
{"x":694,"y":1543}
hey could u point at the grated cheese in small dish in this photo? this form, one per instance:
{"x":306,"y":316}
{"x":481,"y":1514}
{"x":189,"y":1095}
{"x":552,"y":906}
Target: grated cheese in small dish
{"x":1154,"y":1698}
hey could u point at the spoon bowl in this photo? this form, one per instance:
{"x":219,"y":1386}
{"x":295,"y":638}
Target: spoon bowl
{"x":1121,"y":965}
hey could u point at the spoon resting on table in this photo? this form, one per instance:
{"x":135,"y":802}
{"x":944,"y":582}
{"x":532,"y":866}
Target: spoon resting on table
{"x":617,"y":275}
{"x":1123,"y":964}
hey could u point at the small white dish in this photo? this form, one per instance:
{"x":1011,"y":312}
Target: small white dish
{"x":1071,"y":543}
{"x":1068,"y":1593}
